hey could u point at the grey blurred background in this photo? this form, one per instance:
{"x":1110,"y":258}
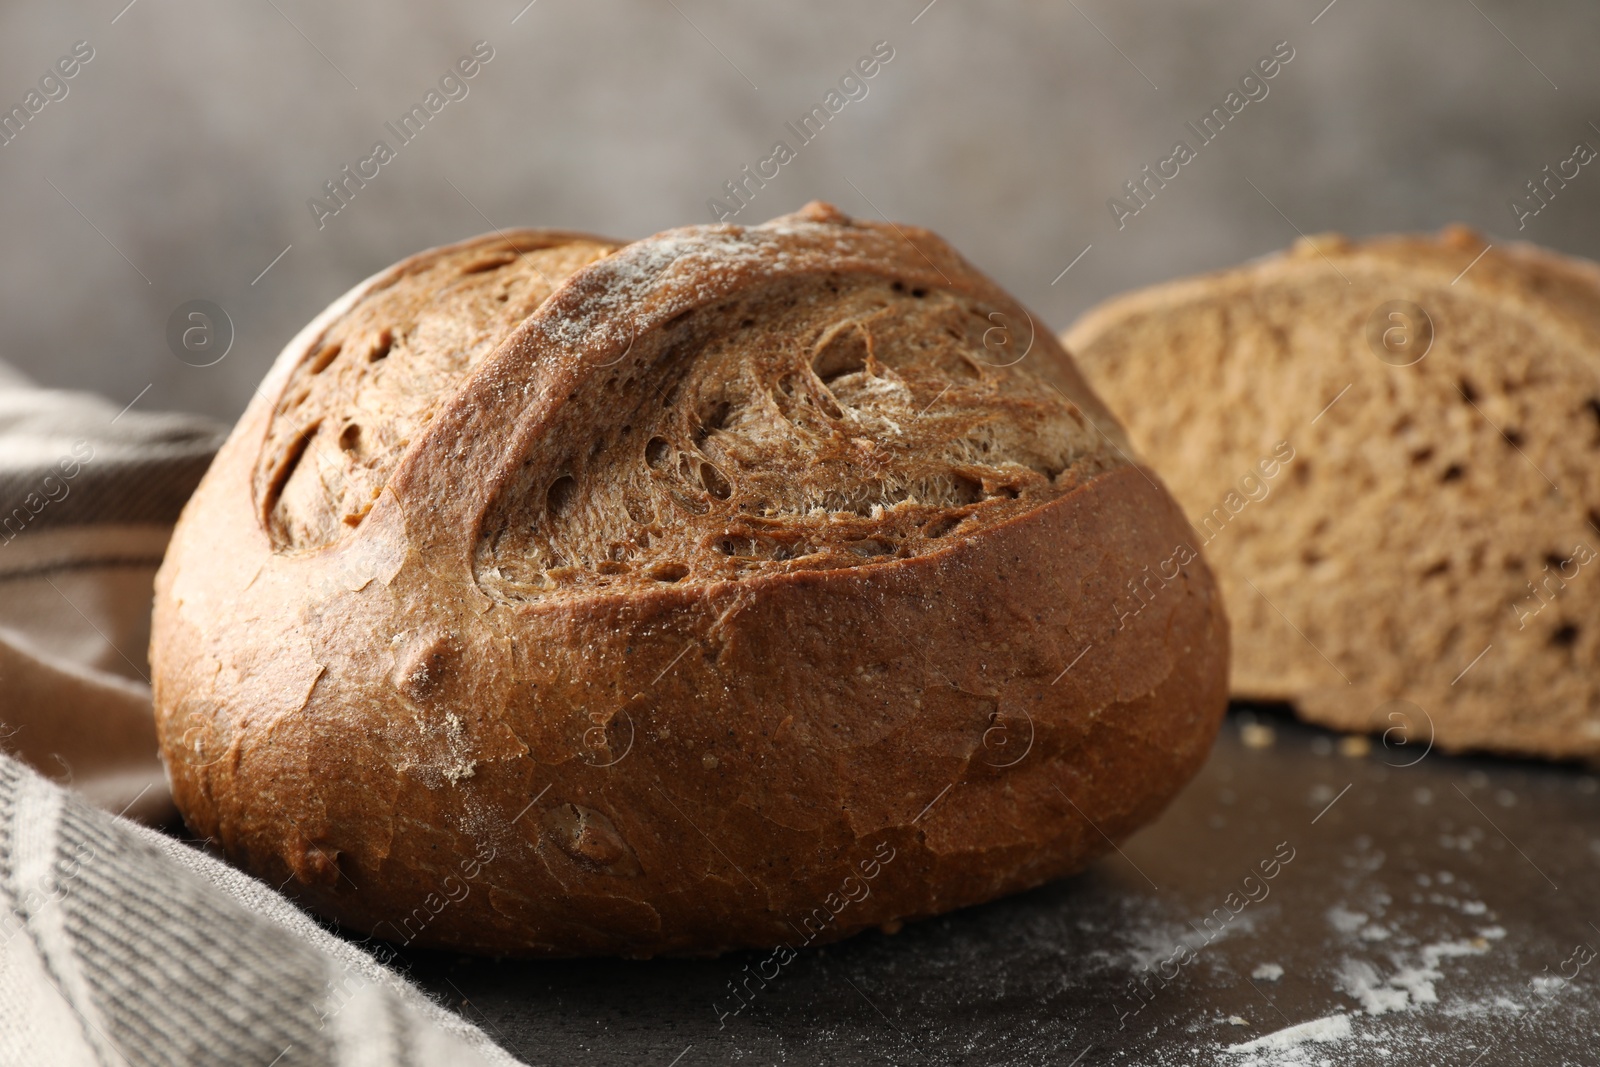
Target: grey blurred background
{"x":179,"y":163}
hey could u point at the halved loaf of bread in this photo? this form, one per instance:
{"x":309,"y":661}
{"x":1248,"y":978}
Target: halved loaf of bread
{"x":1387,"y":449}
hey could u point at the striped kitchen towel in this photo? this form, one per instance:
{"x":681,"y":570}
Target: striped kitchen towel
{"x":88,"y":496}
{"x":120,"y":945}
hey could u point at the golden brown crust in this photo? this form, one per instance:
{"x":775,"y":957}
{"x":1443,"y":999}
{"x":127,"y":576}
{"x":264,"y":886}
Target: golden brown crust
{"x":617,"y":759}
{"x":376,"y":376}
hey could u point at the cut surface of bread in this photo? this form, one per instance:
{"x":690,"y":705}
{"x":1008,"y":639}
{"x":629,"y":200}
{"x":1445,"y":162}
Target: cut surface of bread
{"x":1403,"y":507}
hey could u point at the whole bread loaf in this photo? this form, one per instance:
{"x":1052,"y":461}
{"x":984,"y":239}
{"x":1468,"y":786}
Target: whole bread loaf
{"x":736,"y":587}
{"x":1388,"y":451}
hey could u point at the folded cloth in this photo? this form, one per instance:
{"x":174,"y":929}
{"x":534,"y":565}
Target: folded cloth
{"x":88,"y":496}
{"x":119,"y":945}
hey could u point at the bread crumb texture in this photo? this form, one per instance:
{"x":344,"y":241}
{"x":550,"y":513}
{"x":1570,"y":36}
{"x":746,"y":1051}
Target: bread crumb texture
{"x":1433,"y":513}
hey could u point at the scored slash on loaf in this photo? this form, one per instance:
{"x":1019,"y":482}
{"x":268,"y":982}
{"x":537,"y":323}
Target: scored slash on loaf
{"x":677,"y":578}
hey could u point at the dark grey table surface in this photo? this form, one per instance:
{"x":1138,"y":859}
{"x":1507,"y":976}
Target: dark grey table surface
{"x":1434,"y":910}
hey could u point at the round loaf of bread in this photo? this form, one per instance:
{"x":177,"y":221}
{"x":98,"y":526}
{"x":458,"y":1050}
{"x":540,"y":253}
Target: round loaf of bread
{"x":736,"y":587}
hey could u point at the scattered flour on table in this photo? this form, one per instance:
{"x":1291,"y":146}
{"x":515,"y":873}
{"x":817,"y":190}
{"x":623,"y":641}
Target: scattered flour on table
{"x":1547,"y":984}
{"x":1346,"y":921}
{"x":1153,"y":940}
{"x":1268,"y":972}
{"x":1327,"y":1030}
{"x":1485,"y":1007}
{"x":1412,"y":983}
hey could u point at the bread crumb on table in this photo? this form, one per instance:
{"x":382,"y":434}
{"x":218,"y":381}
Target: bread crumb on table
{"x":1257,"y":735}
{"x":1355,"y":746}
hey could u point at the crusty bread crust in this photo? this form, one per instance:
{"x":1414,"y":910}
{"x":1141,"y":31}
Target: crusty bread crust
{"x":1422,"y":567}
{"x":600,"y":756}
